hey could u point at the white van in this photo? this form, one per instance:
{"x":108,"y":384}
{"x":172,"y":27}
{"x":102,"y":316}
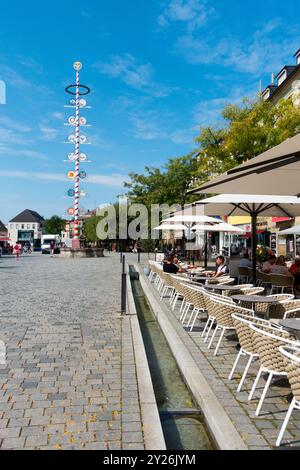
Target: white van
{"x":46,"y":240}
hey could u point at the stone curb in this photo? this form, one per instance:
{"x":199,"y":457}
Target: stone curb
{"x":153,"y":434}
{"x":216,"y":418}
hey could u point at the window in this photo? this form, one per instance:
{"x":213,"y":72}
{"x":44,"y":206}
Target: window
{"x":11,"y":226}
{"x":28,"y":226}
{"x":17,"y":226}
{"x":33,"y":226}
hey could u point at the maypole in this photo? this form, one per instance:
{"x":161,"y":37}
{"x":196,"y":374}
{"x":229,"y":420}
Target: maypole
{"x":77,"y":90}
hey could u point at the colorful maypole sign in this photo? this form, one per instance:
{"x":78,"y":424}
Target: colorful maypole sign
{"x":77,"y":138}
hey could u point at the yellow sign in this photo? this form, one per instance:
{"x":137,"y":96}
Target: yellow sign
{"x":71,"y":175}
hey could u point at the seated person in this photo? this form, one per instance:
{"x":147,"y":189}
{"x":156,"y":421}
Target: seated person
{"x":245,"y":261}
{"x":222,"y":269}
{"x":266,"y":267}
{"x":169,"y":266}
{"x":280,"y":267}
{"x":295,"y":268}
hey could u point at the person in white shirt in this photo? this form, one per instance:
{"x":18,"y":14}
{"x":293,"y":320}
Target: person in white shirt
{"x":221,"y":270}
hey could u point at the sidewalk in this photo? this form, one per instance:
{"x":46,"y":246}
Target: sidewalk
{"x":70,"y":379}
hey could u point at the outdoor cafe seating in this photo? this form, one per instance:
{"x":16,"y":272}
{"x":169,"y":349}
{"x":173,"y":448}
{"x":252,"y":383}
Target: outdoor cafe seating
{"x":261,"y":340}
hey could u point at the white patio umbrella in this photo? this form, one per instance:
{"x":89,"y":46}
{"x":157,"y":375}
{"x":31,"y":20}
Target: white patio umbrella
{"x":192,"y":219}
{"x":171,"y":227}
{"x":291,"y":231}
{"x":276,"y":171}
{"x":253,"y":205}
{"x":189,"y":217}
{"x":222,"y":227}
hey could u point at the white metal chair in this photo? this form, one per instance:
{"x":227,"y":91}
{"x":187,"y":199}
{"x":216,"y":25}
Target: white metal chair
{"x":223,"y":316}
{"x":242,"y":325}
{"x":291,"y":357}
{"x":267,"y":342}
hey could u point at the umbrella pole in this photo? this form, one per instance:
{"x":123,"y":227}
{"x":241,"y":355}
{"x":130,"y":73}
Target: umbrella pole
{"x":254,"y":245}
{"x":205,"y":250}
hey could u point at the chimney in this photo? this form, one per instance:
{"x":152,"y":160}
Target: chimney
{"x":273,"y":78}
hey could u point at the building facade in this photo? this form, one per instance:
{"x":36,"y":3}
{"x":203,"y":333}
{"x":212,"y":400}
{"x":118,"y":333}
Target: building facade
{"x":286,"y":84}
{"x":26,"y":227}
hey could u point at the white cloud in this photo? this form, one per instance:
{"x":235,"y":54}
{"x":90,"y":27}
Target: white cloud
{"x":30,"y":63}
{"x":136,"y":75}
{"x":112,"y":181}
{"x":8,"y":136}
{"x":24,"y":153}
{"x":192,"y":13}
{"x":58,"y":115}
{"x":252,"y":55}
{"x":146,"y":129}
{"x":13,"y":124}
{"x":183,"y":136}
{"x":14,"y":79}
{"x":48,"y":133}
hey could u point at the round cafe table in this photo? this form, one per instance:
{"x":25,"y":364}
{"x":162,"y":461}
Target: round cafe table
{"x":256,"y":299}
{"x":222,"y":287}
{"x":292,"y":325}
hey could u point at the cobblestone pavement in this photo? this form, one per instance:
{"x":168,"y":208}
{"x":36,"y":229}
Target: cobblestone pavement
{"x":70,"y":379}
{"x":257,"y":432}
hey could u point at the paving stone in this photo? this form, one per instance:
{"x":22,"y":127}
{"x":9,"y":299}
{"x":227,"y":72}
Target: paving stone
{"x":13,"y":443}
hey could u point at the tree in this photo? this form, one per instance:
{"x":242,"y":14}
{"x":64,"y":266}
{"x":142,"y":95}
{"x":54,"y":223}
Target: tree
{"x":168,"y":185}
{"x":55,"y":225}
{"x":249,"y":129}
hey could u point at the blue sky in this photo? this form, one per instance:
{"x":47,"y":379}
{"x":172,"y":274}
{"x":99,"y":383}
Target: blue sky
{"x":158,"y":70}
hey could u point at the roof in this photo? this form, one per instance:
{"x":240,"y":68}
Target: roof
{"x":3,"y":229}
{"x":291,"y":74}
{"x":28,"y":216}
{"x":288,"y":68}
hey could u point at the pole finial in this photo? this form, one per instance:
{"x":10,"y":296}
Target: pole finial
{"x":77,"y":66}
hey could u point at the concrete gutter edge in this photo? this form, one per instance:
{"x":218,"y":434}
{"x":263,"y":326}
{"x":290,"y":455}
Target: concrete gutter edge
{"x":153,"y":433}
{"x":221,"y":427}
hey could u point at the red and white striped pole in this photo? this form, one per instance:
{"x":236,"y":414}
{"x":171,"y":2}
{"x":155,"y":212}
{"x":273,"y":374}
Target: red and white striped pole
{"x":77,"y":144}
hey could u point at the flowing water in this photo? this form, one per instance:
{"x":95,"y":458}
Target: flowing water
{"x":181,"y":420}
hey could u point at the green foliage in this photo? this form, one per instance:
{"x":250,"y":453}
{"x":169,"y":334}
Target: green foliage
{"x":163,"y":186}
{"x":89,"y":229}
{"x":55,"y":225}
{"x":249,"y":129}
{"x":147,"y":246}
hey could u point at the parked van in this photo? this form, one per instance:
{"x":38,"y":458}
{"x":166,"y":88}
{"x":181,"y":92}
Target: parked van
{"x":46,"y":240}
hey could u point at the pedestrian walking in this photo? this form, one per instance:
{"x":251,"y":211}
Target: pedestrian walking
{"x":52,"y":246}
{"x":17,"y":251}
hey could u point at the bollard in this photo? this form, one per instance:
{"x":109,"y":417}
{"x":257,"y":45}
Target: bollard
{"x":123,"y":287}
{"x":121,"y":256}
{"x":139,"y":257}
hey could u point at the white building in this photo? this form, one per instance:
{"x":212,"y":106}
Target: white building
{"x":26,"y":227}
